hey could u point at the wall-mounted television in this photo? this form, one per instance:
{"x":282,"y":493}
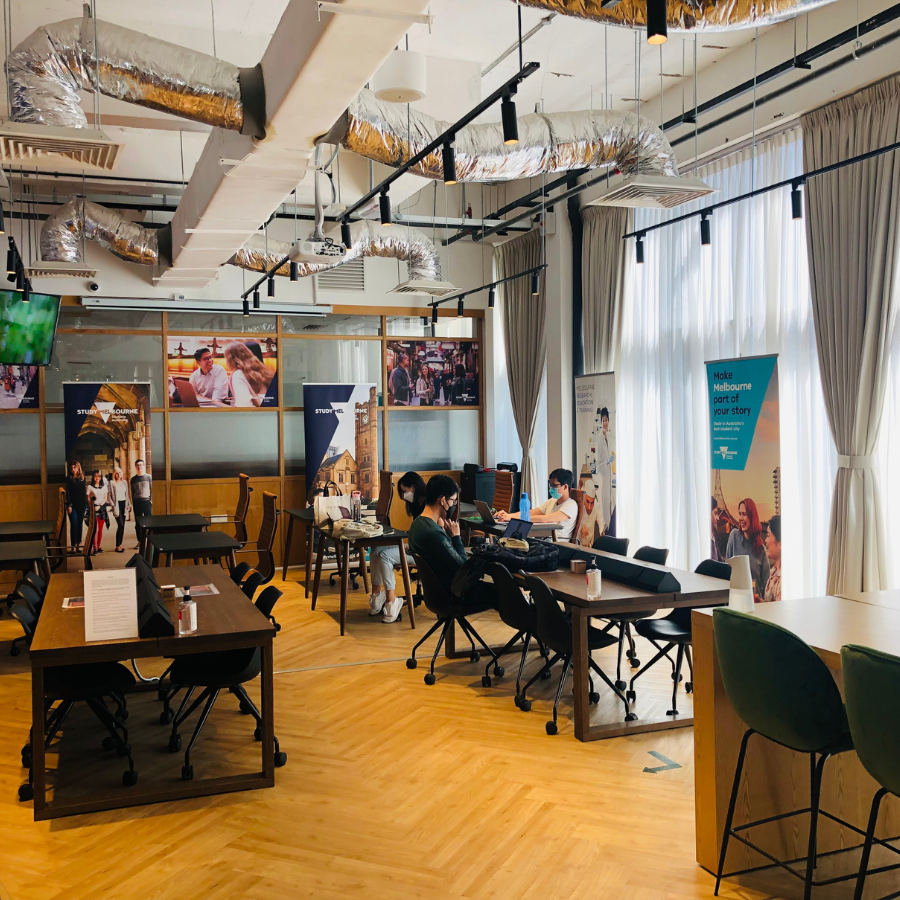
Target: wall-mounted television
{"x":27,"y":330}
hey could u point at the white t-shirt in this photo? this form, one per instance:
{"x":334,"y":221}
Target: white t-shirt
{"x":213,"y":386}
{"x":567,"y":507}
{"x":244,"y":395}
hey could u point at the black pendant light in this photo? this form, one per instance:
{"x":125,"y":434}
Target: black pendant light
{"x":639,"y":249}
{"x":346,"y":240}
{"x":434,"y":315}
{"x":246,"y":308}
{"x":657,"y":27}
{"x":2,"y":222}
{"x":796,"y":202}
{"x":26,"y":291}
{"x":20,"y":275}
{"x":384,"y":205}
{"x":535,"y":283}
{"x":256,"y":299}
{"x":491,"y":296}
{"x":295,"y":271}
{"x":11,"y":259}
{"x":449,"y":163}
{"x":510,"y":122}
{"x":705,"y":234}
{"x":460,"y":307}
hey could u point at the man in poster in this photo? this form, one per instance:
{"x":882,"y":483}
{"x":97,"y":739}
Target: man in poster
{"x":401,"y":385}
{"x":211,"y":379}
{"x":141,"y":490}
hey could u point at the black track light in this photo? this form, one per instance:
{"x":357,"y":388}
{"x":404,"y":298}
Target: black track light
{"x":346,"y":240}
{"x":20,"y":275}
{"x":270,"y":287}
{"x":2,"y":222}
{"x":26,"y":291}
{"x":535,"y":283}
{"x":256,"y":299}
{"x":460,"y":307}
{"x":510,"y":122}
{"x":432,"y":329}
{"x":295,"y":271}
{"x":246,"y":308}
{"x":657,"y":28}
{"x":705,"y":233}
{"x":434,"y":315}
{"x":639,"y":249}
{"x":11,"y":259}
{"x":796,"y":202}
{"x":491,"y":296}
{"x":449,"y":163}
{"x":384,"y":205}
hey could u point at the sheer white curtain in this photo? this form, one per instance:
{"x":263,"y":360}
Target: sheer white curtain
{"x":745,"y":295}
{"x":888,"y":451}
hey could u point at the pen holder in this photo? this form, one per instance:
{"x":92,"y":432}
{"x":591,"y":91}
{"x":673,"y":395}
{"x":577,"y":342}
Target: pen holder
{"x":578,"y":566}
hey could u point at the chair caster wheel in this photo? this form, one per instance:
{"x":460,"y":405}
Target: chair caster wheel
{"x":689,"y":687}
{"x":411,"y":663}
{"x":621,"y":685}
{"x":671,"y":712}
{"x":161,"y":695}
{"x":129,"y":779}
{"x":635,"y":662}
{"x":187,"y":772}
{"x":551,"y":728}
{"x":679,"y":679}
{"x":631,"y":717}
{"x":593,"y":697}
{"x":429,"y":678}
{"x":109,"y":743}
{"x":280,"y":759}
{"x":517,"y":701}
{"x":175,"y":743}
{"x":123,"y":750}
{"x":26,"y":793}
{"x":630,"y":696}
{"x":122,"y":716}
{"x":525,"y":704}
{"x":245,"y":708}
{"x":499,"y":671}
{"x":26,"y":761}
{"x":14,"y":651}
{"x":257,"y":733}
{"x":485,"y":680}
{"x":474,"y":657}
{"x":545,"y":674}
{"x":166,"y":716}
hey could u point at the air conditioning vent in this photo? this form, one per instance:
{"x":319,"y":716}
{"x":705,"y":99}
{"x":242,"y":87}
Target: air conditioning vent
{"x":350,"y":276}
{"x":422,"y":287}
{"x":59,"y":270}
{"x":67,"y":147}
{"x":654,"y":191}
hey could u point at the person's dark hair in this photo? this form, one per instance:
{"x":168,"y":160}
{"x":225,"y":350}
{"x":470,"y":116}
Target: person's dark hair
{"x":417,"y":483}
{"x":715,"y":504}
{"x":775,"y":527}
{"x":138,"y":461}
{"x":198,"y":354}
{"x":563,"y":476}
{"x":401,"y":356}
{"x":460,"y":370}
{"x":256,"y":350}
{"x":440,"y":486}
{"x":604,"y":412}
{"x":102,"y":479}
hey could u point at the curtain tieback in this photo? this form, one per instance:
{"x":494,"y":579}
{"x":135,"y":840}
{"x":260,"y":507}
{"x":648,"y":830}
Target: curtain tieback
{"x":855,"y":462}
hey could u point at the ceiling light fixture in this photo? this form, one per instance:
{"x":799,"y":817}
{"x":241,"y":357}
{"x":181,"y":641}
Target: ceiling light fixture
{"x":639,"y":249}
{"x":20,"y":275}
{"x":246,"y":308}
{"x":491,"y":296}
{"x":26,"y":291}
{"x":535,"y":284}
{"x":295,"y":271}
{"x":346,"y":240}
{"x":2,"y":222}
{"x":256,"y":299}
{"x":796,"y":201}
{"x":11,"y":259}
{"x":510,"y":121}
{"x":384,"y":205}
{"x":657,"y":27}
{"x":460,"y":308}
{"x":449,"y":163}
{"x":270,"y":287}
{"x":705,"y":235}
{"x":434,"y":315}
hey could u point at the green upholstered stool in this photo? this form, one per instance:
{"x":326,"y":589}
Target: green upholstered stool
{"x":872,"y":694}
{"x":784,"y":692}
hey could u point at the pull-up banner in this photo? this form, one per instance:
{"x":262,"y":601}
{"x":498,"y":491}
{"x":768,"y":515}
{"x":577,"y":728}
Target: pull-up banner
{"x":746,"y":467}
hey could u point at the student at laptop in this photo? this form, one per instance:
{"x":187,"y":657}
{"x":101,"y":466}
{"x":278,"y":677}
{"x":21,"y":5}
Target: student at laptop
{"x":559,"y":508}
{"x":211,"y":379}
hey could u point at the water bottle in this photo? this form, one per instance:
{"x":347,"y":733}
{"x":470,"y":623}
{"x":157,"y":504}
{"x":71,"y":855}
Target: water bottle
{"x":593,"y":582}
{"x":187,"y":613}
{"x":524,"y":508}
{"x":356,"y":506}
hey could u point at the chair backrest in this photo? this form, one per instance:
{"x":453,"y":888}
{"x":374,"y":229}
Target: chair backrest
{"x":238,"y":572}
{"x":25,"y":593}
{"x":551,"y":624}
{"x":266,"y":601}
{"x":776,"y":682}
{"x":265,"y":559}
{"x":652,"y":555}
{"x":612,"y":545}
{"x":511,"y":604}
{"x":714,"y":569}
{"x":251,"y":583}
{"x":90,"y":532}
{"x":578,"y":497}
{"x":503,"y":490}
{"x":385,"y":495}
{"x":59,"y":529}
{"x":872,"y":694}
{"x":436,"y":597}
{"x":243,"y":507}
{"x":26,"y":619}
{"x":36,"y":582}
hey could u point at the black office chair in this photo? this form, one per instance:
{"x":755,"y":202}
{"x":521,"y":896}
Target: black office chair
{"x":24,"y":595}
{"x":446,"y":607}
{"x":516,"y":612}
{"x":239,"y":572}
{"x":555,"y":631}
{"x":655,"y":555}
{"x":674,"y":630}
{"x":250,"y":584}
{"x":609,"y":544}
{"x":266,"y":601}
{"x":36,"y":582}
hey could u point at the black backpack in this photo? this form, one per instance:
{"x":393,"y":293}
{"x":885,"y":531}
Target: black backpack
{"x":541,"y":556}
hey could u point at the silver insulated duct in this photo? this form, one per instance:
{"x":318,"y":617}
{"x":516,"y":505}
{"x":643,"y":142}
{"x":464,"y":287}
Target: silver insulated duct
{"x":683,"y":15}
{"x":551,"y":142}
{"x":48,"y":69}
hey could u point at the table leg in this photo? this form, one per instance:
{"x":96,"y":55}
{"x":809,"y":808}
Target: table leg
{"x":37,"y":739}
{"x":142,"y":543}
{"x":404,"y":569}
{"x":267,"y":696}
{"x":580,"y":671}
{"x":344,"y":553}
{"x":287,"y":549}
{"x":232,"y":561}
{"x":319,"y":556}
{"x":310,"y":549}
{"x":363,"y":568}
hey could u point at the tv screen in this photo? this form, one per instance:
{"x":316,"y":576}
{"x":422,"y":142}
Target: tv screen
{"x":27,"y":329}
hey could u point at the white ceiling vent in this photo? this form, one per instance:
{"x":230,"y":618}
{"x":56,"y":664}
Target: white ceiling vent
{"x":67,"y":147}
{"x":59,"y":270}
{"x":350,"y":276}
{"x":655,"y":191}
{"x":422,"y":287}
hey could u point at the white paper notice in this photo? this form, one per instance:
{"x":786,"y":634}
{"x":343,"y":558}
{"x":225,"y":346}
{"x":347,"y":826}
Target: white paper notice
{"x":110,"y":605}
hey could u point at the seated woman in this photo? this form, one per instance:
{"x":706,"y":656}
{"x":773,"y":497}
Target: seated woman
{"x":384,"y":599}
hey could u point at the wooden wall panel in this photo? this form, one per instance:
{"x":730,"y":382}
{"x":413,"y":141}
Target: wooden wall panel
{"x":21,"y":502}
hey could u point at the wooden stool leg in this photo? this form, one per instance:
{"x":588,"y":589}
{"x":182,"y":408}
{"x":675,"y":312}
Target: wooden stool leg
{"x":287,"y":548}
{"x":404,"y":568}
{"x":319,"y":557}
{"x":344,"y":553}
{"x":364,"y":569}
{"x":310,"y":549}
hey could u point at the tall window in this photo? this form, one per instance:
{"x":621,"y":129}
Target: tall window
{"x":747,"y":294}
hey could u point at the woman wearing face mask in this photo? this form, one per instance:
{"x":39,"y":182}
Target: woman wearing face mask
{"x":384,"y":599}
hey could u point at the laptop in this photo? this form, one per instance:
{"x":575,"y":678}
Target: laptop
{"x":189,"y":397}
{"x":517,"y":529}
{"x":485,"y":512}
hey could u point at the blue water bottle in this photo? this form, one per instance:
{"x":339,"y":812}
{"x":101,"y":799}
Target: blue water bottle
{"x":524,"y":508}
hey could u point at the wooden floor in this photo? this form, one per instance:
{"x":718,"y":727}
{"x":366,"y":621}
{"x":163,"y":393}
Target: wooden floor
{"x":392,"y":789}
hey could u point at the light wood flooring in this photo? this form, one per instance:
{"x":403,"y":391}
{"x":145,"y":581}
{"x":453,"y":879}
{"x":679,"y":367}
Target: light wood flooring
{"x":393,"y":789}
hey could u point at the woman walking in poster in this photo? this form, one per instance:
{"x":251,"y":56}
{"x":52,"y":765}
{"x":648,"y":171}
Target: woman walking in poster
{"x":604,"y":470}
{"x":98,"y":494}
{"x":76,"y":502}
{"x":121,"y":506}
{"x":746,"y":540}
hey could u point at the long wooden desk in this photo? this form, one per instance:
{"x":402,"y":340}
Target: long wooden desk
{"x":226,"y":621}
{"x":776,"y":780}
{"x":34,"y":530}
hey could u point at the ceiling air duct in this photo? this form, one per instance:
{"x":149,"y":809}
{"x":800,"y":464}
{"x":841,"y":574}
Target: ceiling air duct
{"x":683,"y":15}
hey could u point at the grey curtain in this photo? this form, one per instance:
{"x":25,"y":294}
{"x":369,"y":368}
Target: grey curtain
{"x":602,"y":284}
{"x":524,"y":337}
{"x":852,"y":234}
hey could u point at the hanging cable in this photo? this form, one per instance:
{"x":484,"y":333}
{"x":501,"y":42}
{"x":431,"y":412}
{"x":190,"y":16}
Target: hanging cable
{"x":212,"y":16}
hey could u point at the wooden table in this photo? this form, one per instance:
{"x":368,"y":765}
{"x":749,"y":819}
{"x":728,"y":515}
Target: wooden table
{"x":195,"y":545}
{"x":226,"y":621}
{"x":775,"y":779}
{"x":498,"y":529}
{"x":175,"y":524}
{"x":307,"y":518}
{"x":26,"y":531}
{"x":25,"y":556}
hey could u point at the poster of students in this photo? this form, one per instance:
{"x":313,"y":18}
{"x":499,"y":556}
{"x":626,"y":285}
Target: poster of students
{"x":432,"y":373}
{"x":108,"y":463}
{"x":745,"y":499}
{"x":215,"y":372}
{"x":18,"y":387}
{"x":340,"y":424}
{"x":595,"y":453}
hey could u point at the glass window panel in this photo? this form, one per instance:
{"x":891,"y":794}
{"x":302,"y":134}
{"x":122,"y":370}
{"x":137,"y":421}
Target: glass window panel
{"x":353,"y":362}
{"x":333,"y":323}
{"x":105,"y":357}
{"x":56,"y":448}
{"x":81,"y":317}
{"x":20,"y":438}
{"x":417,"y":326}
{"x":211,"y":321}
{"x":223,"y":444}
{"x":158,"y":444}
{"x":429,"y":440}
{"x":294,"y":444}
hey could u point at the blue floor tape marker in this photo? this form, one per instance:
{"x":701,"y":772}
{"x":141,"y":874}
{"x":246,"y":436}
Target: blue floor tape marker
{"x":669,"y":764}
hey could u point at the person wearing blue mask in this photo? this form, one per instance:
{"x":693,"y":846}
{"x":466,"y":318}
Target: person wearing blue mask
{"x":559,"y":508}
